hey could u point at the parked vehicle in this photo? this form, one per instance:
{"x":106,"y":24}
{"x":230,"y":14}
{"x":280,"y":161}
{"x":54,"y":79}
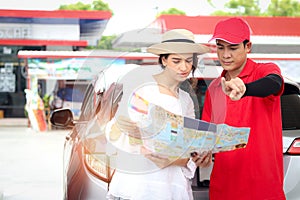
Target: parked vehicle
{"x":88,"y":168}
{"x":290,"y":108}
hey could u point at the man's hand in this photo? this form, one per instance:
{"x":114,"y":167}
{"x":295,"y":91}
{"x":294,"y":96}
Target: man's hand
{"x":203,"y":159}
{"x":234,"y":88}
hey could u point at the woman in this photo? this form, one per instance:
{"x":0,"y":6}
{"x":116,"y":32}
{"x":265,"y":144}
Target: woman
{"x":148,"y":175}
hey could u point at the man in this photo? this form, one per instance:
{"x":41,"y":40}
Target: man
{"x":247,"y":94}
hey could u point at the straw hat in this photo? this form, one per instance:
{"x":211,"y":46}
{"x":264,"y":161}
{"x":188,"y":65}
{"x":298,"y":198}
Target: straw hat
{"x":177,"y":41}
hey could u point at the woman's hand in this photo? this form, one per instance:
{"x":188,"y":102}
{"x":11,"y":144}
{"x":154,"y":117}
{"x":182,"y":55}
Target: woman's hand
{"x":159,"y":160}
{"x":126,"y":125}
{"x":203,"y":159}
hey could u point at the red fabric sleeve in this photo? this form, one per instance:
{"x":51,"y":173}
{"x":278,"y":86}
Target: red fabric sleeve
{"x":206,"y":112}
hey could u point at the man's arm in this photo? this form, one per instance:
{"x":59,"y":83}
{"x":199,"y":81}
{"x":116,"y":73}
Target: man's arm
{"x":264,"y":87}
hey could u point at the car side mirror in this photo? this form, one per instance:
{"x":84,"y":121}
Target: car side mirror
{"x":62,"y":118}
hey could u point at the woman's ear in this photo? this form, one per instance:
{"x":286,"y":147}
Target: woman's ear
{"x":164,"y":61}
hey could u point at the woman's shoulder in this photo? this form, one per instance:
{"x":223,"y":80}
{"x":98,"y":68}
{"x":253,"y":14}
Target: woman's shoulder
{"x":184,"y":95}
{"x":183,"y":92}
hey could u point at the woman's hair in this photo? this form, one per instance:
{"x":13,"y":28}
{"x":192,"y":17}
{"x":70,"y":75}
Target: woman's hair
{"x":195,"y":61}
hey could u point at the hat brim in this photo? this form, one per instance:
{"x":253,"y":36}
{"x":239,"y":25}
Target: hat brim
{"x":230,"y":39}
{"x":177,"y":48}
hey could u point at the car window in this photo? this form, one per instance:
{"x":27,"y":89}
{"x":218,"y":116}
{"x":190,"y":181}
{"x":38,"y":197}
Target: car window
{"x":290,"y":109}
{"x":88,"y":107}
{"x":109,"y":103}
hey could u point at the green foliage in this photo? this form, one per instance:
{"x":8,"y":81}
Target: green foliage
{"x":172,"y":11}
{"x":46,"y":100}
{"x":244,"y":7}
{"x":106,"y":42}
{"x":76,"y":6}
{"x":222,"y":13}
{"x":100,"y":5}
{"x":284,"y":8}
{"x":240,"y":8}
{"x":251,"y":8}
{"x":96,"y":5}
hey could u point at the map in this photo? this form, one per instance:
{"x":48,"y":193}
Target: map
{"x":176,"y":136}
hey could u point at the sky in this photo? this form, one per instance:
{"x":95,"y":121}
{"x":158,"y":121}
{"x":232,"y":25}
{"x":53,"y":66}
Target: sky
{"x":128,"y":14}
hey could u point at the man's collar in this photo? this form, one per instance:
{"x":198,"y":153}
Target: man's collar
{"x":247,"y":70}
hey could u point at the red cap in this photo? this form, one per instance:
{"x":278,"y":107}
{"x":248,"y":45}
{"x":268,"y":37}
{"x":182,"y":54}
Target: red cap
{"x":233,"y":30}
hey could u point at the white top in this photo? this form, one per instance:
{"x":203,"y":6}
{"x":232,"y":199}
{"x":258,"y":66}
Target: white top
{"x":136,"y":177}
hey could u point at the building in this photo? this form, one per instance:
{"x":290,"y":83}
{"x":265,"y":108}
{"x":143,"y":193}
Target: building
{"x":269,"y":34}
{"x":71,"y":31}
{"x":40,"y":30}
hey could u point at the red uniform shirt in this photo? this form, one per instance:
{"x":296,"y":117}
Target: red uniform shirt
{"x":255,"y":172}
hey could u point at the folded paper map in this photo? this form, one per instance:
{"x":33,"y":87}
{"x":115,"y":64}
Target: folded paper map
{"x":176,"y":136}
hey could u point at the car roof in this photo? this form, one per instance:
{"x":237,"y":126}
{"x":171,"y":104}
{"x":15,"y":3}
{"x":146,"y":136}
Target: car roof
{"x":113,"y":73}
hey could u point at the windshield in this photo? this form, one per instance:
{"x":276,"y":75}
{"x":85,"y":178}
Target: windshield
{"x":290,"y":108}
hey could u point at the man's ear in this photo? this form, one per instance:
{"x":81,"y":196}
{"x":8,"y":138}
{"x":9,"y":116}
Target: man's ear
{"x":248,"y":47}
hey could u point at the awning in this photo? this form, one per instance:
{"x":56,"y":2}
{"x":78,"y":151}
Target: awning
{"x":138,"y":38}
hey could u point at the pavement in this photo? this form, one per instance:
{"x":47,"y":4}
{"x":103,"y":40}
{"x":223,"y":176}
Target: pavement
{"x":9,"y":122}
{"x":31,"y":162}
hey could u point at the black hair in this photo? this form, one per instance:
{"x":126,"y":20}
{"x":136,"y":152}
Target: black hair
{"x":195,"y":61}
{"x":245,"y":42}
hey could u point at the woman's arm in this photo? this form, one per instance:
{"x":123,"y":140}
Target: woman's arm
{"x":201,"y":160}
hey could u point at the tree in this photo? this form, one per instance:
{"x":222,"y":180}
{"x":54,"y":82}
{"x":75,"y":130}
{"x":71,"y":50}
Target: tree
{"x":106,"y":42}
{"x":100,"y":5}
{"x":172,"y":11}
{"x":96,"y":5}
{"x":240,"y":7}
{"x":76,"y":6}
{"x":244,"y":7}
{"x":283,"y":8}
{"x":251,"y":8}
